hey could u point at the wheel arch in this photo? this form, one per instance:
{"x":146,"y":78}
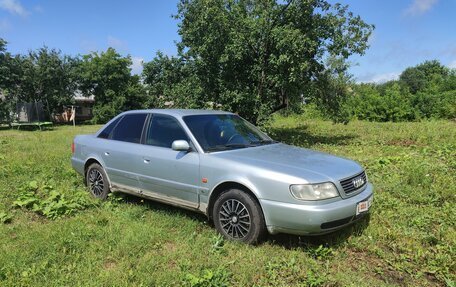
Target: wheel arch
{"x":92,"y":160}
{"x":225,"y":186}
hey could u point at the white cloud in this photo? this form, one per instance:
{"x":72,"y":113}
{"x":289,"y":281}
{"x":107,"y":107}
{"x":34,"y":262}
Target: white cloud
{"x":419,"y":7}
{"x":4,"y":25}
{"x":117,"y":43}
{"x":452,"y":65}
{"x":380,"y":78}
{"x":14,"y":7}
{"x":88,"y":45}
{"x":137,"y":65}
{"x":38,"y":8}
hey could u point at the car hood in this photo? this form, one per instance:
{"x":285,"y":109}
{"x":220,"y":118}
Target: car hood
{"x":310,"y":165}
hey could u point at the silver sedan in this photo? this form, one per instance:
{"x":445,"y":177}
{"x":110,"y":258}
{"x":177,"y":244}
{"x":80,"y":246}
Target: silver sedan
{"x":221,"y":165}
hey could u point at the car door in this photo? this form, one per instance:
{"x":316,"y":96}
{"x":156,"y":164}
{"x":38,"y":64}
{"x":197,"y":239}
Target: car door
{"x":168,"y":174}
{"x":121,"y":151}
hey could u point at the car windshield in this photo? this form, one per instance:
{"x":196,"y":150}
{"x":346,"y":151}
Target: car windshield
{"x":225,"y":132}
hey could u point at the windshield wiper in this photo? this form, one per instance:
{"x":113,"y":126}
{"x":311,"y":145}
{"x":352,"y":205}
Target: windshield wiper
{"x":261,"y":142}
{"x":228,"y":146}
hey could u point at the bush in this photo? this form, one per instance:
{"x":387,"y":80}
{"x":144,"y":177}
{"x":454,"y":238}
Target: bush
{"x":46,"y":201}
{"x":427,"y":91}
{"x":437,"y":105}
{"x":209,"y":278}
{"x":392,"y":104}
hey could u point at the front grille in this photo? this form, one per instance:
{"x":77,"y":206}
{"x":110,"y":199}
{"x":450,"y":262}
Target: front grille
{"x":349,"y":186}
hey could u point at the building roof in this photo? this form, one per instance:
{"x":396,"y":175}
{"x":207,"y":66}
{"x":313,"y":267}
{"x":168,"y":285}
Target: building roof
{"x":84,"y":99}
{"x":79,"y":97}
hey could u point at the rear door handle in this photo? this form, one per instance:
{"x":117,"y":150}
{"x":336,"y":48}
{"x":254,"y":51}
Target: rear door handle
{"x":146,"y":160}
{"x":106,"y":152}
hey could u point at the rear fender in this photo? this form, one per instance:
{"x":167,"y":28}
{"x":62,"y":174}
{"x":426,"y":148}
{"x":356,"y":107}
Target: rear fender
{"x":92,"y":157}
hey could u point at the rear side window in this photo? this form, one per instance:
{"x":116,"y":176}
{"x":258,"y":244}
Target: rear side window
{"x":163,"y":130}
{"x":129,"y":128}
{"x":107,"y":131}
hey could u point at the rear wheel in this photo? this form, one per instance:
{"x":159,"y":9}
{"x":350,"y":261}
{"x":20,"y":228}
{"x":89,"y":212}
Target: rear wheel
{"x":97,"y":181}
{"x":238,"y":216}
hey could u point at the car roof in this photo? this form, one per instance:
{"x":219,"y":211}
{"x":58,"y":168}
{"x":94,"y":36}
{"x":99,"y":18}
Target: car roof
{"x":180,"y":112}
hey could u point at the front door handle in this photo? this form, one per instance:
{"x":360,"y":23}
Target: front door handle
{"x":146,"y":160}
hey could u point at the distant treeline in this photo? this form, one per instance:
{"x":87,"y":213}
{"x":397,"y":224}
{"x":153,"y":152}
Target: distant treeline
{"x":250,"y":57}
{"x":254,"y":58}
{"x":48,"y":76}
{"x":425,"y":91}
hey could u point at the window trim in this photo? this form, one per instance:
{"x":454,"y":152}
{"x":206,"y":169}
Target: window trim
{"x":119,"y":118}
{"x":142,"y":130}
{"x":203,"y":151}
{"x":146,"y":131}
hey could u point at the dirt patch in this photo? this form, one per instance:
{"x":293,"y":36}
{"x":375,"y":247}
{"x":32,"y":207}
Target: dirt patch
{"x":109,"y":264}
{"x":432,"y":278}
{"x":36,"y":218}
{"x":402,"y":142}
{"x":169,"y":247}
{"x":393,"y":276}
{"x":379,"y":268}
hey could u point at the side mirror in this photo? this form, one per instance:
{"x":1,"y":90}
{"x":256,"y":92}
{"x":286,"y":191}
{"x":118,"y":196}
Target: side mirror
{"x":180,"y":145}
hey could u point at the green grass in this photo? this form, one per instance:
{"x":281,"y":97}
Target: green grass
{"x":60,"y":236}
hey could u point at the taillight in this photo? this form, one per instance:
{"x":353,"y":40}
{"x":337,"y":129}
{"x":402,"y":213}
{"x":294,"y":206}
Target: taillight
{"x":72,"y":147}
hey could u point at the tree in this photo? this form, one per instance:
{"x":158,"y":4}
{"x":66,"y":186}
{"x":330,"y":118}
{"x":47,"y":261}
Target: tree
{"x":7,"y":73}
{"x":257,"y":57}
{"x":4,"y":71}
{"x":4,"y":65}
{"x":2,"y":45}
{"x":333,"y":90}
{"x":10,"y":81}
{"x":2,"y":57}
{"x":44,"y":75}
{"x":50,"y":77}
{"x":171,"y":82}
{"x":424,"y":75}
{"x":107,"y":76}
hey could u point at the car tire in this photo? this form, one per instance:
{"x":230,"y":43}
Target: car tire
{"x":238,"y":216}
{"x":97,"y":181}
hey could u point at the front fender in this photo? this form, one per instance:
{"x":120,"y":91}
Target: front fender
{"x":238,"y":180}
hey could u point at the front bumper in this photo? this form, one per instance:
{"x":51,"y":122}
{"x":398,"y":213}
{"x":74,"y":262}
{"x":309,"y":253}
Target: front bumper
{"x":300,"y":219}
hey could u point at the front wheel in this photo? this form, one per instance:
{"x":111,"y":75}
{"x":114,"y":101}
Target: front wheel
{"x":97,"y":181}
{"x":238,"y":216}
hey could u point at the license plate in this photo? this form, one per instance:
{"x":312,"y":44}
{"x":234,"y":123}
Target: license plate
{"x":364,"y":206}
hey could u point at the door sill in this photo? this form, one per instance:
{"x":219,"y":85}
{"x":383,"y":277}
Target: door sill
{"x":156,"y":197}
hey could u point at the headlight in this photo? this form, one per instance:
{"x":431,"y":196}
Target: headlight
{"x":314,"y":191}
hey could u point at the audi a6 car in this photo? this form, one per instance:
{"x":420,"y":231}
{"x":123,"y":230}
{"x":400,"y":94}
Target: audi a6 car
{"x":221,"y":165}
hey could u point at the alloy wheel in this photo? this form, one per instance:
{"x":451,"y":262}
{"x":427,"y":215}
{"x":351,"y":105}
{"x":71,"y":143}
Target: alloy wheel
{"x":96,"y":182}
{"x":234,"y":219}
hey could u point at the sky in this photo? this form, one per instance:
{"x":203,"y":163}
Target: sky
{"x":407,"y":32}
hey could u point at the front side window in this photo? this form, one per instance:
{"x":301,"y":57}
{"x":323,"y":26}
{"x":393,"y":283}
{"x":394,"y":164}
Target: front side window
{"x":129,"y":129}
{"x":163,"y":130}
{"x":222,"y":132}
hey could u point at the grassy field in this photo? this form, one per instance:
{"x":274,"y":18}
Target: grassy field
{"x":53,"y":234}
